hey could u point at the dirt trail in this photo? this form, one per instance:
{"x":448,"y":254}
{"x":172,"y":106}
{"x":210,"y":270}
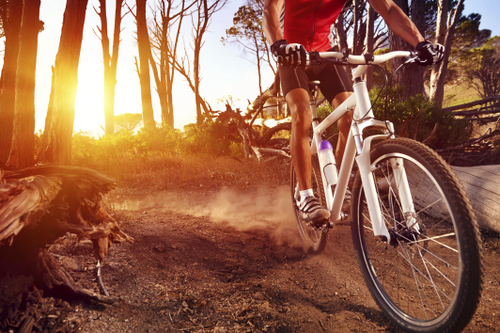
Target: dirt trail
{"x":228,"y":261}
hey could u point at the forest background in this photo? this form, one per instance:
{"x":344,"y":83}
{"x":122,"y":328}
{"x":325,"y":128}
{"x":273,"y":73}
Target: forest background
{"x":224,"y":73}
{"x":235,"y":76}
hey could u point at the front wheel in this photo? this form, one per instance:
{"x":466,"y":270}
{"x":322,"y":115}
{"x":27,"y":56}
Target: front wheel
{"x":314,"y":238}
{"x":428,"y":278}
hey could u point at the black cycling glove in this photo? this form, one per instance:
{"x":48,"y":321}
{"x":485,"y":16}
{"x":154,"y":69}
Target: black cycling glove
{"x":291,"y":55}
{"x":429,"y":53}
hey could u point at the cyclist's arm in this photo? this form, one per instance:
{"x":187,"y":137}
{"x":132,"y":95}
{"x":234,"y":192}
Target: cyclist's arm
{"x":397,"y":21}
{"x":271,"y":23}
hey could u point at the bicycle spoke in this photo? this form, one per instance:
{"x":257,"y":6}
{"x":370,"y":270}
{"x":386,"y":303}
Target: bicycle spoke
{"x":427,"y":277}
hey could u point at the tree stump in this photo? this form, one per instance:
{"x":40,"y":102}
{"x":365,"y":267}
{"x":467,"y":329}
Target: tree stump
{"x":38,"y":205}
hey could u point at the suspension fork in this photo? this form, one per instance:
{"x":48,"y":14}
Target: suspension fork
{"x":399,"y":183}
{"x":363,"y":160}
{"x":403,"y":191}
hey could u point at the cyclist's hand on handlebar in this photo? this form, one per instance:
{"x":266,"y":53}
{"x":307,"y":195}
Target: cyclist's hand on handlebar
{"x":429,"y":53}
{"x":291,"y":55}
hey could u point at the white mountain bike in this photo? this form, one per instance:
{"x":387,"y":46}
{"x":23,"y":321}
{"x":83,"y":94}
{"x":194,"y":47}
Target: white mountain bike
{"x":413,"y":226}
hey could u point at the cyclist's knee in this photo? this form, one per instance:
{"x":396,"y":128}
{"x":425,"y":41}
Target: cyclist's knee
{"x":301,"y":115}
{"x":340,"y":98}
{"x":298,"y":102}
{"x":301,"y":112}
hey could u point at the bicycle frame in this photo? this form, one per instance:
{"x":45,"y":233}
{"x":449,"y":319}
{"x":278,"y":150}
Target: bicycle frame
{"x":358,"y":148}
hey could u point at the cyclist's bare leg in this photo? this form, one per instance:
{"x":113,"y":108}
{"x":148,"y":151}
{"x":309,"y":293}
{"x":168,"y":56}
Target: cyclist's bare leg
{"x":343,"y":124}
{"x":311,"y":211}
{"x":298,"y":101}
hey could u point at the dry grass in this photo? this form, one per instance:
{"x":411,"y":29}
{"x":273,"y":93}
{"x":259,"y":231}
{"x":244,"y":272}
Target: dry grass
{"x":458,"y":94}
{"x":183,"y":171}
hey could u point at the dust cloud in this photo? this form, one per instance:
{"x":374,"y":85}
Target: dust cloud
{"x":268,"y":210}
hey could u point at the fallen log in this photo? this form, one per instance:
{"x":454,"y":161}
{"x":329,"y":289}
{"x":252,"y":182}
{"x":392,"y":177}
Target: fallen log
{"x":482,"y":184}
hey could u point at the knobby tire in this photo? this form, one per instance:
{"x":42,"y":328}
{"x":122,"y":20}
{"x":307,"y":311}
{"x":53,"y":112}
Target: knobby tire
{"x":428,"y":280}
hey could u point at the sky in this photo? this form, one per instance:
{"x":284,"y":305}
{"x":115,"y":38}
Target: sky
{"x":224,"y":70}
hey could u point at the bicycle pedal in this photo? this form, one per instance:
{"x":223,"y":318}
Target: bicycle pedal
{"x":320,"y":225}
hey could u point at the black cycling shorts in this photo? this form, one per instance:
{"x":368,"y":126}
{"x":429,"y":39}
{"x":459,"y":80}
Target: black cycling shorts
{"x":333,"y":79}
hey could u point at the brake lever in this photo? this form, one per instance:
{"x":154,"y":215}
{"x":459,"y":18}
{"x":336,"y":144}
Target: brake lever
{"x":413,"y":58}
{"x":312,"y":58}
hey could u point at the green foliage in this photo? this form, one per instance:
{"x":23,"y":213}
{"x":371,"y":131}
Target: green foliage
{"x":380,"y":75}
{"x":483,"y":68}
{"x":236,"y":149}
{"x":126,"y":148}
{"x":247,"y":24}
{"x":114,"y":150}
{"x":323,"y":111}
{"x":83,"y":150}
{"x":162,"y":139}
{"x":467,"y":36}
{"x":212,"y":137}
{"x":450,"y":132}
{"x":247,"y":31}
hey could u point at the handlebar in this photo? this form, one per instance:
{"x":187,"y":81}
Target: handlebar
{"x":366,"y":59}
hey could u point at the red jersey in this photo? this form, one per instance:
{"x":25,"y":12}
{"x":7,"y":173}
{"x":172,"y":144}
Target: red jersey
{"x":308,"y":22}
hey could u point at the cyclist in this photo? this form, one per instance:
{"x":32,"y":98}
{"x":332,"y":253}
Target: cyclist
{"x":306,"y":28}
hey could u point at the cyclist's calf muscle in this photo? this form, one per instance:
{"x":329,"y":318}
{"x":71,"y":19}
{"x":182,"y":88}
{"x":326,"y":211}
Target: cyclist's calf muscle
{"x":343,"y":124}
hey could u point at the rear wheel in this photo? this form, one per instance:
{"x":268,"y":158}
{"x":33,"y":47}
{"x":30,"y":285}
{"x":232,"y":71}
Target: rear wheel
{"x":429,"y":277}
{"x":314,"y":238}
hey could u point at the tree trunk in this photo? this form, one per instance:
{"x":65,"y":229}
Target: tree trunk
{"x":169,"y":73}
{"x":200,"y":24}
{"x":341,"y":36}
{"x":182,"y":71}
{"x":110,"y":62}
{"x":114,"y":57}
{"x":200,"y":30}
{"x":11,"y":19}
{"x":204,"y":14}
{"x":61,"y":111}
{"x":159,"y":70}
{"x":445,"y":27}
{"x":160,"y":87}
{"x":410,"y":77}
{"x":258,"y":63}
{"x":397,"y":44}
{"x":144,"y":52}
{"x":356,"y":24}
{"x":414,"y":75}
{"x":22,"y":151}
{"x":108,"y":113}
{"x":164,"y":70}
{"x":165,"y":76}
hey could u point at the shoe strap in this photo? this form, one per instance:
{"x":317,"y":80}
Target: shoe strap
{"x":310,"y":204}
